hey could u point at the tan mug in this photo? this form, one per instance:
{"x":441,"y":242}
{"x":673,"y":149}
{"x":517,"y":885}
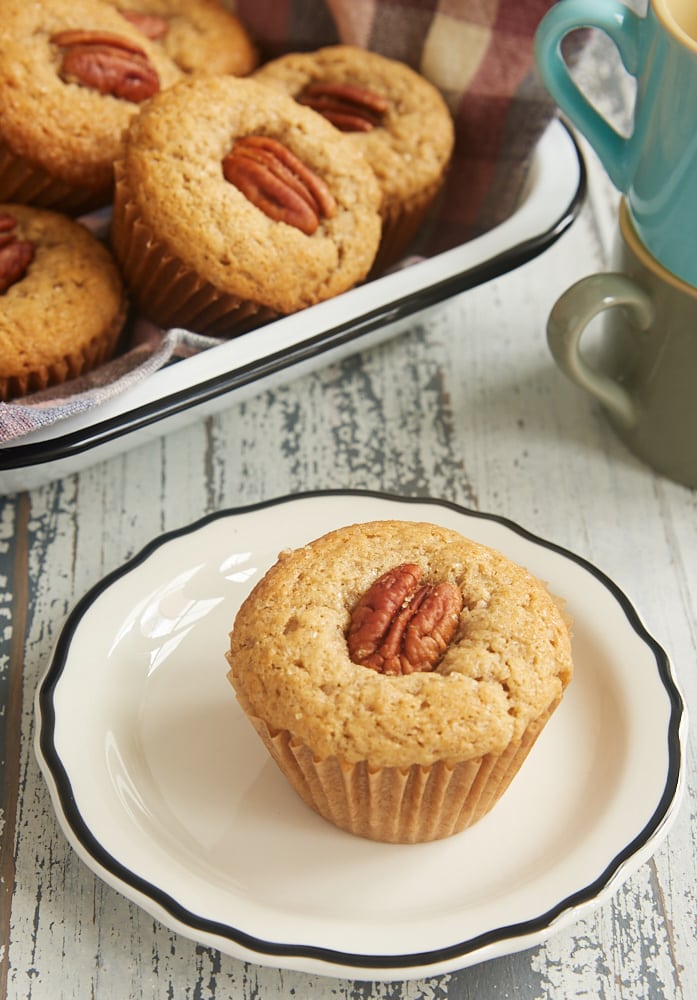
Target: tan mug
{"x":644,"y":367}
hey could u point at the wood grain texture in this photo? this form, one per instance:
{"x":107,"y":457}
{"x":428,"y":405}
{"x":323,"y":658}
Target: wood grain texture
{"x":467,"y":406}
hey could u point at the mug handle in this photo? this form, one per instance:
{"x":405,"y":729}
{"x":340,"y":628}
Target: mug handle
{"x":570,"y":316}
{"x":623,"y":27}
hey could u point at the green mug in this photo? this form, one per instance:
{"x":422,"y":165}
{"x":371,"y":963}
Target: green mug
{"x":644,"y":370}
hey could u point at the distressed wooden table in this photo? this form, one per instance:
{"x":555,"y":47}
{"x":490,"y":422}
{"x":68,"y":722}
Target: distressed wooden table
{"x":468,"y":407}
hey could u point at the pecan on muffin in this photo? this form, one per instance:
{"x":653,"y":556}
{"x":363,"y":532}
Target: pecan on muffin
{"x":396,"y":117}
{"x":72,"y":75}
{"x":234,"y":205}
{"x":399,"y":674}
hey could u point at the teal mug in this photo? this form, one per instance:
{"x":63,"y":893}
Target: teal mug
{"x":656,"y":165}
{"x":644,"y":366}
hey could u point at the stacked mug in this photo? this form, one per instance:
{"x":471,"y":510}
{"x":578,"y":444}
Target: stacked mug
{"x":645,"y":374}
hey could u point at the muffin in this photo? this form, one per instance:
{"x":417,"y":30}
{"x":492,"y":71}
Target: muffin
{"x":72,"y":74}
{"x":234,"y":205}
{"x":62,"y":302}
{"x":200,"y":36}
{"x":395,"y":117}
{"x":399,"y":673}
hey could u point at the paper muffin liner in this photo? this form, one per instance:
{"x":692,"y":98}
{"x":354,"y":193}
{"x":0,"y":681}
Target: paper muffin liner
{"x":26,"y":183}
{"x":166,"y":290}
{"x":408,"y":805}
{"x":78,"y":362}
{"x":401,"y":223}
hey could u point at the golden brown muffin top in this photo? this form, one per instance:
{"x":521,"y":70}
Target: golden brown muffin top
{"x":509,"y":660}
{"x":411,"y":147}
{"x":69,"y":294}
{"x":200,"y":36}
{"x":70,"y":130}
{"x":172,"y":165}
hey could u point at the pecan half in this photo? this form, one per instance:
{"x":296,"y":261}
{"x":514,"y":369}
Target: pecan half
{"x":278,"y":182}
{"x":108,"y":63}
{"x":401,"y":626}
{"x":15,"y":255}
{"x":150,"y":25}
{"x":347,"y":106}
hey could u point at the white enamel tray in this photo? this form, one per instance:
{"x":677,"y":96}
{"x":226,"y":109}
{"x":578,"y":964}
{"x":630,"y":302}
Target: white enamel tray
{"x":165,"y":791}
{"x":247,"y":365}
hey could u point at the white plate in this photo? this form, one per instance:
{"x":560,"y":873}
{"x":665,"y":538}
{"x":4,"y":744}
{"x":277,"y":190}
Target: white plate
{"x":360,"y":318}
{"x":165,"y":791}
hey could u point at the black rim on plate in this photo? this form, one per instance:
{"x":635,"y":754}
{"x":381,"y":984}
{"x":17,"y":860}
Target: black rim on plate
{"x":531,"y":928}
{"x":391,"y":311}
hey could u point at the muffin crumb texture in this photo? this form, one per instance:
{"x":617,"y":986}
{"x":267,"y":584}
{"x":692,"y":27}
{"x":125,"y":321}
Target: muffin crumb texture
{"x":506,"y":666}
{"x":174,"y":206}
{"x":62,"y":306}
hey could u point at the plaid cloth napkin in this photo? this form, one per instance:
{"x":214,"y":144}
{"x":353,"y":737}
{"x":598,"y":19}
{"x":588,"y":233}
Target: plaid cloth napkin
{"x":152,"y":349}
{"x":479,"y":53}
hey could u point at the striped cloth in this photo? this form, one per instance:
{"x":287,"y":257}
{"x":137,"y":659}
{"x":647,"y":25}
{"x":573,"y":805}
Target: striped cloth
{"x":479,"y":53}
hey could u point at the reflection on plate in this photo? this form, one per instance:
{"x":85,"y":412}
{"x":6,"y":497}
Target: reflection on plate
{"x":165,"y":791}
